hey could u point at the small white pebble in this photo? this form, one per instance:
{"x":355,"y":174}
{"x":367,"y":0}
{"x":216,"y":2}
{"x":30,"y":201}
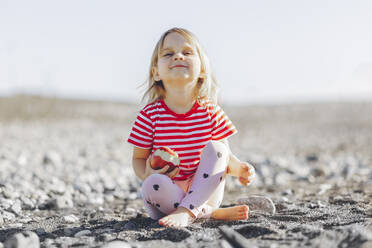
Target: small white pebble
{"x":82,"y":233}
{"x":70,"y":218}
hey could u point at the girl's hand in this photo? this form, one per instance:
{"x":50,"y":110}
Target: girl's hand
{"x":149,"y":171}
{"x":246,"y":173}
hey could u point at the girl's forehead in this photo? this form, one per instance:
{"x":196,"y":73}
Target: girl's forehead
{"x":175,"y":39}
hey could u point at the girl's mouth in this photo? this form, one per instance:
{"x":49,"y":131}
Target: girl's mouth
{"x":179,"y":66}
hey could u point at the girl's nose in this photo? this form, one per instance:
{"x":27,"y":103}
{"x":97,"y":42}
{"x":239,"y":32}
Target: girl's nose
{"x":178,"y":56}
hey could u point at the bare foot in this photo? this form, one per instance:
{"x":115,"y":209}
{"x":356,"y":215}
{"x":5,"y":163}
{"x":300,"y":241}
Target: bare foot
{"x":233,"y":213}
{"x":180,"y":218}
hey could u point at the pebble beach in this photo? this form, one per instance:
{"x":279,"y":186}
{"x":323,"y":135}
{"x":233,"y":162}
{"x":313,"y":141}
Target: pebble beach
{"x":66,"y":178}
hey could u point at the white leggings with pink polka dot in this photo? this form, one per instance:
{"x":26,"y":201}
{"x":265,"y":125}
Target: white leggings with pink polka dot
{"x":162,"y":196}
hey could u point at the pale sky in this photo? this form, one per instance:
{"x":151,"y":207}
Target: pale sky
{"x":261,"y":51}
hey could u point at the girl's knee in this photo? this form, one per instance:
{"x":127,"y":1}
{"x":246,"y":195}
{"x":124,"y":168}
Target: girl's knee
{"x":155,"y":181}
{"x":219,"y":148}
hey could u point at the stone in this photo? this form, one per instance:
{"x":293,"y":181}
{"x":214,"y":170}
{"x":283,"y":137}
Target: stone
{"x":70,"y":218}
{"x":52,"y":157}
{"x":82,"y":233}
{"x":16,"y":207}
{"x":22,"y":240}
{"x":130,"y":225}
{"x":6,"y":203}
{"x":8,"y":216}
{"x":117,"y":244}
{"x":258,"y":203}
{"x":40,"y":231}
{"x":60,"y":202}
{"x":324,"y":188}
{"x":27,"y":204}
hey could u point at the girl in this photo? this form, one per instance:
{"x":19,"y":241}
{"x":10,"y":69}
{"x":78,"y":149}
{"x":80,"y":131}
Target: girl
{"x":182,"y":113}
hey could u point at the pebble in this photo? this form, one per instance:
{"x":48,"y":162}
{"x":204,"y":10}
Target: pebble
{"x":117,"y":244}
{"x":70,"y":218}
{"x":26,"y":239}
{"x":16,"y":207}
{"x":368,"y":212}
{"x":258,"y":204}
{"x":52,"y":157}
{"x":129,"y":210}
{"x":82,"y":233}
{"x":6,"y":203}
{"x":61,"y":202}
{"x":324,"y":188}
{"x":130,"y":225}
{"x":96,"y":200}
{"x":40,"y":231}
{"x":8,"y":216}
{"x":104,"y":230}
{"x":27,"y":203}
{"x":132,"y":196}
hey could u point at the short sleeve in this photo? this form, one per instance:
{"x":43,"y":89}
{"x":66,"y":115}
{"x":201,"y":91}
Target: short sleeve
{"x":142,"y":131}
{"x":222,"y":127}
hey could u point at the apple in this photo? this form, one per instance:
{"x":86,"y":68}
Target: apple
{"x":164,"y":156}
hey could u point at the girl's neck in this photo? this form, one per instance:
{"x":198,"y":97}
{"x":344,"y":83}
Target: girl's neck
{"x":179,"y":103}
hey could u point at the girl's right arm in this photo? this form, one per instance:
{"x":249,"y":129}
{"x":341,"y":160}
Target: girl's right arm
{"x":141,"y":164}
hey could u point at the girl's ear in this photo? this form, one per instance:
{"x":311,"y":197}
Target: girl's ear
{"x":155,"y":73}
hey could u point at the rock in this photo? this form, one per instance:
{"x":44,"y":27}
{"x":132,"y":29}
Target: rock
{"x":105,"y":237}
{"x":83,"y":188}
{"x":57,"y":187}
{"x":282,"y":178}
{"x":104,"y":230}
{"x":130,"y":225}
{"x":10,"y":193}
{"x":109,"y":198}
{"x":96,"y":200}
{"x":67,"y":231}
{"x":16,"y":207}
{"x":52,"y":157}
{"x":323,"y":188}
{"x":109,"y":185}
{"x":117,"y":244}
{"x":70,"y":218}
{"x":26,"y":239}
{"x":317,"y":172}
{"x":311,"y":158}
{"x":82,"y":233}
{"x":132,"y":196}
{"x":6,"y":203}
{"x":27,"y":204}
{"x":1,"y":220}
{"x":287,"y":192}
{"x":60,"y":202}
{"x":367,"y":212}
{"x":8,"y":216}
{"x":40,"y":231}
{"x":257,"y":203}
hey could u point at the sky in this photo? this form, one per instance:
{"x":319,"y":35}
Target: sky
{"x":265,"y":51}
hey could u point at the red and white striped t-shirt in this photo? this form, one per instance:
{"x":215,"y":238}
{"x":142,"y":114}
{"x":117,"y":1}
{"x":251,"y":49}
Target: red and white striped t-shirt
{"x":187,"y":134}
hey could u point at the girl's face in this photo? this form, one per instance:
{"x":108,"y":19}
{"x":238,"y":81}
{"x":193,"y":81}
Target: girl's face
{"x":178,"y":61}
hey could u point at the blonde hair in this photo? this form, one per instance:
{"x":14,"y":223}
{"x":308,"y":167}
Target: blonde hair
{"x":207,"y":87}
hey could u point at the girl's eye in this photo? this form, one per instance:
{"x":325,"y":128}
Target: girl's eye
{"x":187,"y":52}
{"x":168,"y":54}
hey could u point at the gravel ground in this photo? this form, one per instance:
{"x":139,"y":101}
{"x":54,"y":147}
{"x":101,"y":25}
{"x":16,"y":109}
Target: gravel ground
{"x":66,"y":177}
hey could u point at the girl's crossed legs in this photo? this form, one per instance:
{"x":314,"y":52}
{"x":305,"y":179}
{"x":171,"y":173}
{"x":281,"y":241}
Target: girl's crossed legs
{"x":200,"y":195}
